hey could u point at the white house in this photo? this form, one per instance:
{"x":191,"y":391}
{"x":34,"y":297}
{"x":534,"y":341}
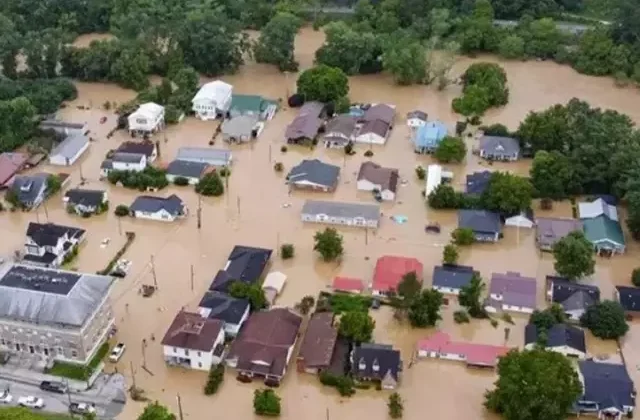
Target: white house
{"x":522,"y":220}
{"x":416,"y":119}
{"x":373,"y":132}
{"x":374,"y":177}
{"x":212,"y":100}
{"x":148,"y":118}
{"x":86,"y":201}
{"x":191,"y":171}
{"x":158,"y":208}
{"x":193,"y":342}
{"x":49,"y":244}
{"x":69,"y":150}
{"x":345,"y":214}
{"x":121,"y":161}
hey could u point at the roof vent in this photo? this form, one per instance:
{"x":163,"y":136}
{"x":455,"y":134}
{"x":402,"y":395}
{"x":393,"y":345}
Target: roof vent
{"x":26,"y":186}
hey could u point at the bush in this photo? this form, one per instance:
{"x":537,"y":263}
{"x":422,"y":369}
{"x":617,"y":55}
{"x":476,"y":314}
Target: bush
{"x":284,"y":149}
{"x":494,"y":323}
{"x":287,"y":251}
{"x":79,"y":372}
{"x":368,"y":153}
{"x":224,"y":172}
{"x":344,"y":384}
{"x":461,"y":317}
{"x":216,"y":377}
{"x":463,"y":236}
{"x":121,"y":210}
{"x":278,"y":167}
{"x":266,"y":403}
{"x":421,"y":173}
{"x":149,"y":178}
{"x":507,"y":318}
{"x":635,"y":277}
{"x":395,"y":406}
{"x":450,"y":254}
{"x":181,"y":181}
{"x":210,"y":185}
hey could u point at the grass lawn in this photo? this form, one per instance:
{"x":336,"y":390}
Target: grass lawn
{"x":347,"y":303}
{"x":20,"y":413}
{"x":79,"y":372}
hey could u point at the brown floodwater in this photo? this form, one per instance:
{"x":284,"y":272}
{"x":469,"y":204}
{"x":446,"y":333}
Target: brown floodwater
{"x":252,"y":213}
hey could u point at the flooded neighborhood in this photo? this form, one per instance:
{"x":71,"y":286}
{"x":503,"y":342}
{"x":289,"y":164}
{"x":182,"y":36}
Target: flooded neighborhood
{"x":258,"y":209}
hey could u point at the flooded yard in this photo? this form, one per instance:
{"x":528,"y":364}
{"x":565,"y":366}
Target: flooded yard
{"x":251,"y":212}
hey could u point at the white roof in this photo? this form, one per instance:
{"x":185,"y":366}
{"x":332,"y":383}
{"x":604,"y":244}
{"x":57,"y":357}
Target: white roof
{"x":597,"y":208}
{"x":434,"y":178}
{"x":150,"y":110}
{"x":216,"y":91}
{"x":275,"y":280}
{"x":71,"y":145}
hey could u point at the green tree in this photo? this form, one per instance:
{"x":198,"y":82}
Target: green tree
{"x":471,"y":297}
{"x":252,"y":292}
{"x":475,"y":101}
{"x":450,"y":254}
{"x":463,"y":236}
{"x":451,"y":149}
{"x":574,"y":256}
{"x":155,"y":411}
{"x":547,"y":318}
{"x":595,"y":52}
{"x":491,"y":77}
{"x":551,"y":175}
{"x":266,"y":403}
{"x":210,"y":185}
{"x":132,"y":67}
{"x":306,"y":305}
{"x":409,"y":286}
{"x":406,"y":60}
{"x":215,"y":379}
{"x":534,"y":385}
{"x":329,"y":244}
{"x":275,"y":45}
{"x":287,"y":251}
{"x":396,"y":406}
{"x":121,"y":210}
{"x":445,"y":197}
{"x":323,"y":83}
{"x":542,"y":38}
{"x":53,"y":185}
{"x":477,"y":32}
{"x":424,"y":310}
{"x":635,"y":277}
{"x":605,"y":320}
{"x":350,"y":50}
{"x":507,"y":193}
{"x":511,"y":47}
{"x":187,"y":80}
{"x":356,"y":326}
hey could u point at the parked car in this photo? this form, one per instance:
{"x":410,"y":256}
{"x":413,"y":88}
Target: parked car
{"x":31,"y":402}
{"x":117,"y":352}
{"x":5,"y":397}
{"x":51,"y":386}
{"x":82,"y":408}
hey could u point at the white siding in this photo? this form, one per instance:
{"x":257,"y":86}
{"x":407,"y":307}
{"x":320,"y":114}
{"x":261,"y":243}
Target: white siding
{"x":62,"y":161}
{"x":370,"y":138}
{"x":161,"y":215}
{"x":366,"y":185}
{"x":415,"y":122}
{"x":447,"y":290}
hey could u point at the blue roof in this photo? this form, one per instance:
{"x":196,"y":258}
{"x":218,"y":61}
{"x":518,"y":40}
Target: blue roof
{"x":452,"y":276}
{"x":480,"y":221}
{"x":606,"y":384}
{"x":430,"y":134}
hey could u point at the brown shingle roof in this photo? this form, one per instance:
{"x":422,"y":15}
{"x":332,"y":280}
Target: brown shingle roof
{"x":10,"y":163}
{"x":378,"y":127}
{"x":380,"y":112}
{"x":191,"y":331}
{"x":387,"y":178}
{"x":303,"y":126}
{"x":319,"y":341}
{"x":266,"y":337}
{"x":343,"y":124}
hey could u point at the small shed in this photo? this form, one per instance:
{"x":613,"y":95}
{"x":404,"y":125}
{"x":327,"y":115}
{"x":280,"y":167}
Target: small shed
{"x":273,"y":285}
{"x":523,"y":220}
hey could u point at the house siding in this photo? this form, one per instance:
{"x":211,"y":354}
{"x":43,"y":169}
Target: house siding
{"x":342,"y":221}
{"x":447,"y":290}
{"x":62,"y":161}
{"x":366,"y":185}
{"x":193,"y":359}
{"x":161,"y":215}
{"x":371,"y":138}
{"x":192,"y":180}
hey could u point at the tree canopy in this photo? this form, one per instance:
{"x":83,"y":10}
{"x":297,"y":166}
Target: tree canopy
{"x":507,"y":193}
{"x":605,"y":320}
{"x":574,"y":256}
{"x":424,"y":309}
{"x":275,"y":45}
{"x":451,"y":149}
{"x":329,"y":244}
{"x":356,"y":326}
{"x":155,"y":411}
{"x":485,"y":86}
{"x":323,"y":83}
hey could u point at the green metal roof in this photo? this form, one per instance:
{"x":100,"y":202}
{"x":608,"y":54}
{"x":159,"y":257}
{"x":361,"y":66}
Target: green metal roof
{"x":602,"y":229}
{"x":248,"y":103}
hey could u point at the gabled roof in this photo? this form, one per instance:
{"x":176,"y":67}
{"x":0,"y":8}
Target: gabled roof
{"x":347,"y":284}
{"x":187,"y":168}
{"x":146,"y":148}
{"x":241,"y":125}
{"x":150,"y":204}
{"x":202,"y":154}
{"x":149,"y":110}
{"x":558,"y":335}
{"x":191,"y":331}
{"x":71,"y":145}
{"x":572,"y":293}
{"x":368,"y":212}
{"x":387,"y":178}
{"x":244,"y":264}
{"x":629,"y":298}
{"x":380,"y":112}
{"x":478,"y":182}
{"x":224,"y":307}
{"x":387,"y":359}
{"x":248,"y":103}
{"x":495,"y":145}
{"x":606,"y":384}
{"x":126,"y":157}
{"x":319,"y":341}
{"x":597,"y":208}
{"x":29,"y":187}
{"x":474,"y":354}
{"x":601,"y":229}
{"x":430,"y":134}
{"x":516,"y":290}
{"x":307,"y":123}
{"x":378,"y":127}
{"x":315,"y":171}
{"x":550,"y":230}
{"x":342,"y":124}
{"x":216,"y":91}
{"x":390,"y":269}
{"x":89,"y":198}
{"x":480,"y":221}
{"x":452,"y":276}
{"x":10,"y":164}
{"x":48,"y":234}
{"x":417,"y":114}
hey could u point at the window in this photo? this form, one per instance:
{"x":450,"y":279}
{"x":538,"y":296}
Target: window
{"x":60,"y":351}
{"x":186,"y":352}
{"x":199,"y":354}
{"x":175,"y":349}
{"x":74,"y":354}
{"x":199,"y":364}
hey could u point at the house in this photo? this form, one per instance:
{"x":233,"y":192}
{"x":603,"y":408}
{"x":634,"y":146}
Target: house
{"x":377,"y":362}
{"x":121,"y":161}
{"x":318,"y":344}
{"x":608,"y":391}
{"x":69,"y":150}
{"x":64,"y":128}
{"x":596,"y":209}
{"x":232,"y":312}
{"x":212,"y":100}
{"x":339,"y":213}
{"x":315,"y":175}
{"x":347,"y":285}
{"x":416,"y":119}
{"x":427,"y":138}
{"x":478,"y":182}
{"x":10,"y":165}
{"x":48,"y":244}
{"x":523,"y":220}
{"x":499,"y":148}
{"x":147,"y":119}
{"x":575,"y":298}
{"x":451,"y":278}
{"x":192,"y":171}
{"x":629,"y":299}
{"x":511,"y":292}
{"x":265,"y":345}
{"x":146,"y":147}
{"x":273,"y":285}
{"x":240,"y":129}
{"x":193,"y":342}
{"x":561,"y":338}
{"x":389,"y":272}
{"x":440,"y":346}
{"x":605,"y":234}
{"x":30,"y":190}
{"x":85,"y":202}
{"x":306,"y":124}
{"x":68,"y":311}
{"x":550,"y":230}
{"x":486,"y":225}
{"x":245,"y":264}
{"x":373,"y":177}
{"x":158,"y":208}
{"x":339,"y":131}
{"x":218,"y":158}
{"x":377,"y":121}
{"x":253,"y":105}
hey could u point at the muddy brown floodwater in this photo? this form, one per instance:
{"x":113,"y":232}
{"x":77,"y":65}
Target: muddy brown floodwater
{"x":251,"y":212}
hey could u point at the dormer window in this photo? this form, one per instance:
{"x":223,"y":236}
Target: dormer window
{"x":362,"y":365}
{"x":376,"y":366}
{"x":27,"y":186}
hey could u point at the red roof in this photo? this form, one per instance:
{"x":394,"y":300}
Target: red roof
{"x":191,"y":331}
{"x":390,"y":269}
{"x":347,"y":284}
{"x":10,"y":163}
{"x":474,"y":354}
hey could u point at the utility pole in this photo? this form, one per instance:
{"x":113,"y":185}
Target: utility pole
{"x":46,"y":213}
{"x":133,"y":375}
{"x":366,"y":236}
{"x":238,"y":204}
{"x":82,"y":180}
{"x":153,"y":273}
{"x":119,"y":226}
{"x":192,"y":277}
{"x":199,"y":212}
{"x":269,"y":152}
{"x":179,"y":406}
{"x":144,"y":353}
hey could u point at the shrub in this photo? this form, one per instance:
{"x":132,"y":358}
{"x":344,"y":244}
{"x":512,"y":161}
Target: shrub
{"x":210,"y":185}
{"x":287,"y":251}
{"x":344,"y":384}
{"x":216,"y":377}
{"x":278,"y":167}
{"x":494,"y":323}
{"x":266,"y":403}
{"x":121,"y":210}
{"x":635,"y":277}
{"x":507,"y":318}
{"x":181,"y":181}
{"x":150,"y":177}
{"x":421,"y":173}
{"x":284,"y":149}
{"x":463,"y":236}
{"x":395,"y":405}
{"x":368,"y":153}
{"x":348,"y":149}
{"x":224,"y":172}
{"x":461,"y":317}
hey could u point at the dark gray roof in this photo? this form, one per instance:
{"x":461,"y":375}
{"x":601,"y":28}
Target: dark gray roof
{"x":29,"y":187}
{"x":187,"y":169}
{"x":315,"y":171}
{"x":343,"y":124}
{"x":557,"y":336}
{"x":606,"y":384}
{"x":106,"y":164}
{"x":48,"y":234}
{"x":139,"y":148}
{"x":495,"y":145}
{"x":386,"y":357}
{"x":452,"y":276}
{"x":480,"y":221}
{"x":71,"y":145}
{"x":127,"y":157}
{"x":629,"y":298}
{"x":421,"y":115}
{"x":224,"y":307}
{"x":579,"y":300}
{"x":478,"y":182}
{"x":244,"y":264}
{"x":89,"y":198}
{"x":150,"y":204}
